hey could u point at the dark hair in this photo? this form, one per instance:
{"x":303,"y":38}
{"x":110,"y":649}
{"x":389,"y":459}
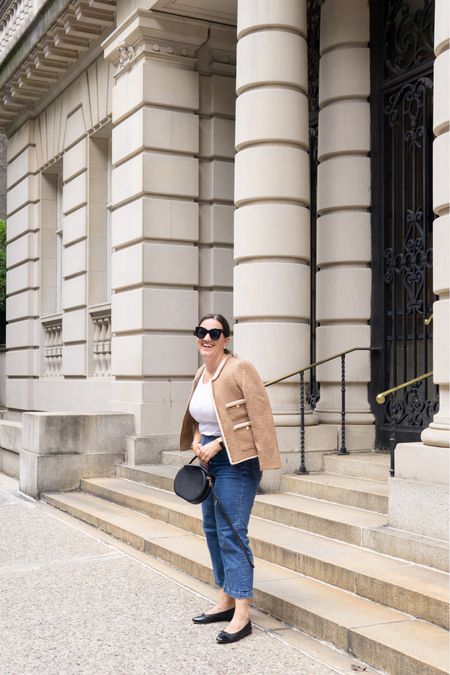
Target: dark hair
{"x":223,"y":322}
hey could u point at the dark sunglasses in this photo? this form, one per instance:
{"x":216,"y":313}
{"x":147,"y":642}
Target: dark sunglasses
{"x":214,"y":333}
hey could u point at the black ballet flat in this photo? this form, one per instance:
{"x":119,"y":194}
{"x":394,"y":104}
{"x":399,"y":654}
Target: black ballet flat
{"x":212,"y":618}
{"x":225,"y":638}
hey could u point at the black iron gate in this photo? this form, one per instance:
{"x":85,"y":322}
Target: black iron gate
{"x":402,"y":135}
{"x":313,"y":13}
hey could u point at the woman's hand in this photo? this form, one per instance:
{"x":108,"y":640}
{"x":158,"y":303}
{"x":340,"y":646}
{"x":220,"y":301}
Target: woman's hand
{"x":206,"y":452}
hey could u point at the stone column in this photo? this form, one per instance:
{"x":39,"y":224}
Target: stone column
{"x":22,"y":305}
{"x":216,"y":66}
{"x":418,"y":496}
{"x":343,"y":201}
{"x":271,"y":276}
{"x":155,"y":218}
{"x":438,"y":433}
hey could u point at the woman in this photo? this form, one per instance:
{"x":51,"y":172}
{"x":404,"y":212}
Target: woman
{"x":228,"y":424}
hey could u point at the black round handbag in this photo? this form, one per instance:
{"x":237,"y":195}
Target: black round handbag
{"x":193,"y":483}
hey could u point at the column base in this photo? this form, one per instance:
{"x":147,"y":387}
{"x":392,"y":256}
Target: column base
{"x":351,"y":417}
{"x":293,"y":419}
{"x":436,"y":435}
{"x":327,"y":438}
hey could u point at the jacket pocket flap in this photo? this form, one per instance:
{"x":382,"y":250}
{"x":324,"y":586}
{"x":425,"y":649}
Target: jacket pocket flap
{"x":242,"y":425}
{"x":233,"y":403}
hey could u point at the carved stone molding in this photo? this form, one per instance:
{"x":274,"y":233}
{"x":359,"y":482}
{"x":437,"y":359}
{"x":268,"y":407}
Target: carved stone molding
{"x":127,"y":54}
{"x":150,"y":34}
{"x":15,"y":21}
{"x":221,"y":11}
{"x":218,"y":54}
{"x":76,"y":30}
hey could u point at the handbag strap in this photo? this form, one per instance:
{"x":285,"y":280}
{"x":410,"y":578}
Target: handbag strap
{"x":230,"y":525}
{"x":224,"y":514}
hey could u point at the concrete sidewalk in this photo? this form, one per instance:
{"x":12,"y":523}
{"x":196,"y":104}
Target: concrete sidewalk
{"x":74,"y":600}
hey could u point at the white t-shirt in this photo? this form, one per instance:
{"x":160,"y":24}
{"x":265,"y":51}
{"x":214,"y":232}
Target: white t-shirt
{"x":202,"y":409}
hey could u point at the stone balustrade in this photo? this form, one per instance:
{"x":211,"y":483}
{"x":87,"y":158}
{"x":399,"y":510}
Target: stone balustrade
{"x":52,"y":347}
{"x":101,"y":343}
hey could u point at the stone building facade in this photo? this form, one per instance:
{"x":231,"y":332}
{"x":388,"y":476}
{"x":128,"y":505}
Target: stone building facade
{"x":162,"y":163}
{"x":2,"y":177}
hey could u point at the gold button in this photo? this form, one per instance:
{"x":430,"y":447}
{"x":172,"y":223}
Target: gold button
{"x":237,"y":405}
{"x":247,"y":427}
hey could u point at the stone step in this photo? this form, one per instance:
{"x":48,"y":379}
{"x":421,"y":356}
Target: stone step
{"x":395,"y":583}
{"x":176,"y":457}
{"x":361,"y":493}
{"x":371,"y":465}
{"x":156,"y":475}
{"x":413,"y":547}
{"x":382,"y":637}
{"x":345,"y":523}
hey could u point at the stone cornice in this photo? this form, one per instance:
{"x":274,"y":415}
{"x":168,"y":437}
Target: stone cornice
{"x":218,"y":53}
{"x":14,"y":21}
{"x":151,"y":34}
{"x":30,"y":38}
{"x":54,"y":48}
{"x":219,"y":11}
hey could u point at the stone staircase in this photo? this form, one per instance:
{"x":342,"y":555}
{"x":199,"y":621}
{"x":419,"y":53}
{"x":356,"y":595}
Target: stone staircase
{"x":326,"y":561}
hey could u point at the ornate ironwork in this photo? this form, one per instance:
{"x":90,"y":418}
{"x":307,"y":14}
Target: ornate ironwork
{"x":313,"y":9}
{"x":302,"y":468}
{"x":410,"y":408}
{"x":403,"y":97}
{"x":343,"y":449}
{"x":408,"y":36}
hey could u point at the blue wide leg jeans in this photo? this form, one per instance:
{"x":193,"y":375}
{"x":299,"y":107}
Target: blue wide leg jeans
{"x":235,"y":486}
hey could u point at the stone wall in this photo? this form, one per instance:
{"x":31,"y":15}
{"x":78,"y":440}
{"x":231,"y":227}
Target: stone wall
{"x":120,"y":227}
{"x":2,"y":176}
{"x":56,"y":283}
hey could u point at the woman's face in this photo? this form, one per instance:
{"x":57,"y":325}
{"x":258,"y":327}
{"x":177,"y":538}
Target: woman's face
{"x":206,"y":346}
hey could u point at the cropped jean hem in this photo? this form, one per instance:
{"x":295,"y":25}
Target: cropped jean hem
{"x":237,"y":595}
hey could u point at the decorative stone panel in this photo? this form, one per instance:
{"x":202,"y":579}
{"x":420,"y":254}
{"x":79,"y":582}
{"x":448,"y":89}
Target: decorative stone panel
{"x":52,"y":361}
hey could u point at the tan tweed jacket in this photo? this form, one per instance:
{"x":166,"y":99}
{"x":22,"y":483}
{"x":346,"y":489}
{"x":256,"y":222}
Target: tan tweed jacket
{"x":244,"y":414}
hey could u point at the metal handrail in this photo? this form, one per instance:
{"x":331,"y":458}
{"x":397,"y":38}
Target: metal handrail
{"x":381,"y":397}
{"x":319,"y":363}
{"x":342,"y":450}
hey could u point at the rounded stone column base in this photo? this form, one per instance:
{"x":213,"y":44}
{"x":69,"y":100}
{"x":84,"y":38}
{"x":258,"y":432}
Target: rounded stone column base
{"x":356,"y":404}
{"x":436,"y":435}
{"x":334,"y":417}
{"x":293,"y":419}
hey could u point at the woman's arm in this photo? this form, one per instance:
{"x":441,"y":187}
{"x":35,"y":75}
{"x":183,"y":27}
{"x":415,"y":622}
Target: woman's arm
{"x":260,"y":415}
{"x":196,"y":442}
